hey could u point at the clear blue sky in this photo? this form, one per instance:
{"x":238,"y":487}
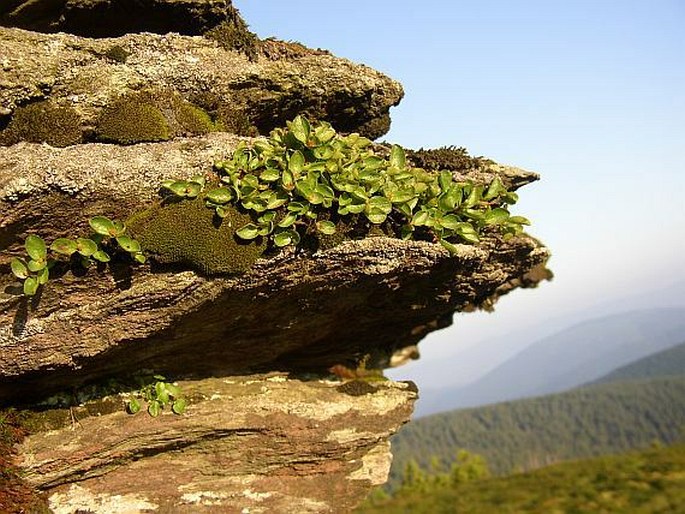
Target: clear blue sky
{"x":590,"y":94}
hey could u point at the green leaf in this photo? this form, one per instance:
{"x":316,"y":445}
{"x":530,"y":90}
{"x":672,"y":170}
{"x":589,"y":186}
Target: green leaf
{"x":30,"y":286}
{"x":495,"y":189}
{"x":397,"y":157}
{"x":139,"y":257}
{"x":406,"y":232}
{"x":220,"y":195}
{"x":154,"y":408}
{"x":288,"y":220}
{"x":162,"y":393}
{"x":221,"y":211}
{"x":101,"y":256}
{"x":496,"y":216}
{"x":380,"y":204}
{"x":450,"y":222}
{"x":43,"y":276}
{"x":467,"y":233}
{"x":178,"y":187}
{"x":288,"y":180}
{"x":249,"y":231}
{"x":102,"y":225}
{"x":445,"y":180}
{"x":199,"y":180}
{"x":270,"y":175}
{"x":133,"y":406}
{"x":86,"y":247}
{"x":35,"y":266}
{"x":296,"y":163}
{"x":403,"y":195}
{"x":300,"y":128}
{"x":519,"y":220}
{"x":286,"y":237}
{"x":276,"y":200}
{"x":449,"y":246}
{"x":128,"y":244}
{"x":326,"y":227}
{"x":192,"y":189}
{"x":19,"y":268}
{"x":35,"y":247}
{"x":63,"y":246}
{"x":376,"y":216}
{"x":179,"y":406}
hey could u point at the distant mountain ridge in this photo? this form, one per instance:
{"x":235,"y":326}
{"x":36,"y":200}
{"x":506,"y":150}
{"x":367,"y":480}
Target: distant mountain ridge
{"x":669,"y":362}
{"x":530,"y":433}
{"x":572,"y":357}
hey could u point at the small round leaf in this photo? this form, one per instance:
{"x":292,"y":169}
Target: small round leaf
{"x":35,"y":247}
{"x":30,"y":286}
{"x":35,"y":266}
{"x":326,"y":227}
{"x":249,"y":231}
{"x":100,"y":255}
{"x":129,"y":244}
{"x":102,"y":225}
{"x":19,"y":268}
{"x":179,"y":406}
{"x":220,"y":195}
{"x":63,"y":246}
{"x":86,"y":247}
{"x":133,"y":406}
{"x":154,"y":408}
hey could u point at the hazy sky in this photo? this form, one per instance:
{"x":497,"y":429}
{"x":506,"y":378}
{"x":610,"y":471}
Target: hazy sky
{"x":590,"y":94}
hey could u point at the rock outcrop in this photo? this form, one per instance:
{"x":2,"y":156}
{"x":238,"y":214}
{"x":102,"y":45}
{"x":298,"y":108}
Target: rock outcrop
{"x":84,"y":329}
{"x":259,"y":444}
{"x":104,"y":18}
{"x":93,"y":127}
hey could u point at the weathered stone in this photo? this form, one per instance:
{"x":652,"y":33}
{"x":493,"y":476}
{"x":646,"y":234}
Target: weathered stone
{"x":104,"y":18}
{"x":258,"y":444}
{"x":293,"y":311}
{"x":89,"y":75}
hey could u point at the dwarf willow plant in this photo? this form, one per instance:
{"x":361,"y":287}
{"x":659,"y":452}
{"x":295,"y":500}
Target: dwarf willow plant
{"x":109,"y":236}
{"x":303,"y":175}
{"x":158,"y":395}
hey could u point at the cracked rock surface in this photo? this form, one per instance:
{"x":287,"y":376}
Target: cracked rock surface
{"x":265,"y":443}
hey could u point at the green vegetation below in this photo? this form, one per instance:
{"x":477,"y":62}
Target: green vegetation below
{"x":646,"y":482}
{"x":531,"y":433}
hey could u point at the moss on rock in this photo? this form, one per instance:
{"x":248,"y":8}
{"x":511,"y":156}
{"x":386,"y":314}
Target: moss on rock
{"x":234,"y":35}
{"x":151,"y":116}
{"x":132,"y":119}
{"x":188,"y":233}
{"x":43,"y":122}
{"x":445,"y":158}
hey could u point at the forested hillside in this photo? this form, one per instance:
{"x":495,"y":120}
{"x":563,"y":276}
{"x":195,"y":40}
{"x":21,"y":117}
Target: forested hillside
{"x":527,"y":434}
{"x":669,"y":362}
{"x":647,"y":482}
{"x":575,"y":356}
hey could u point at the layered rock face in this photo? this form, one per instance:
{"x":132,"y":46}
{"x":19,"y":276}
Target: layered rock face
{"x":93,"y":127}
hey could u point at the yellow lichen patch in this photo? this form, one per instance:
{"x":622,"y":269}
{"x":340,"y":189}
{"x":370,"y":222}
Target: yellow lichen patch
{"x":189,"y":233}
{"x":43,"y":122}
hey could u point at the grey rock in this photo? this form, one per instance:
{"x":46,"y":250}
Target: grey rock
{"x":296,"y":310}
{"x":80,"y":74}
{"x":105,"y":18}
